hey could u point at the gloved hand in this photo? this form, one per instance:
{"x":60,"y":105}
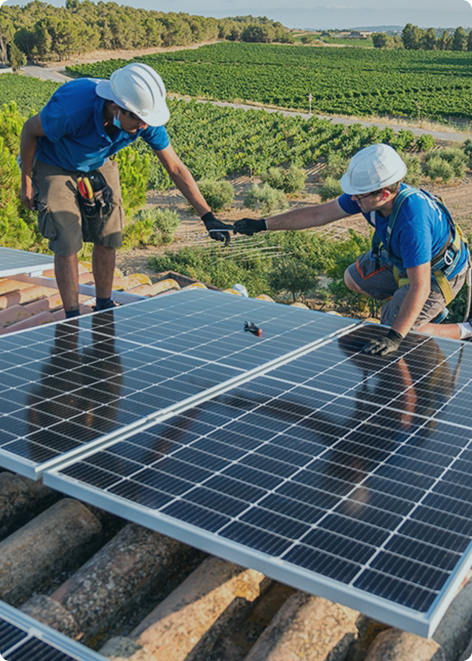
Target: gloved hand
{"x":384,"y":345}
{"x":249,"y":226}
{"x":217,"y":230}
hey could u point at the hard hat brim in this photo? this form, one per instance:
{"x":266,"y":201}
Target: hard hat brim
{"x":156,"y":118}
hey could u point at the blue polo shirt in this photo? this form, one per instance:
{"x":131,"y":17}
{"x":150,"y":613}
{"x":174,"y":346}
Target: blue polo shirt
{"x":75,"y":138}
{"x":420,"y":231}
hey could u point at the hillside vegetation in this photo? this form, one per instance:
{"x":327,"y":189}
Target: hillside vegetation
{"x":350,"y":81}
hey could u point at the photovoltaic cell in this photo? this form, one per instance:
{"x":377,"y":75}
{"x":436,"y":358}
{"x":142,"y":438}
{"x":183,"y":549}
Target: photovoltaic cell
{"x":14,"y":261}
{"x":67,"y":385}
{"x":25,"y":639}
{"x":343,"y":474}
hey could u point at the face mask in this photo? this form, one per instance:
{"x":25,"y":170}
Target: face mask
{"x":116,"y":122}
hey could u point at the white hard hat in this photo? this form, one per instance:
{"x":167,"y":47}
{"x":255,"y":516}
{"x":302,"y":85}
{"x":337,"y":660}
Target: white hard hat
{"x":140,"y":89}
{"x":371,"y":169}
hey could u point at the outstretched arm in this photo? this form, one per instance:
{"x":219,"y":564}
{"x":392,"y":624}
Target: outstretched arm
{"x":183,"y":179}
{"x":300,"y":219}
{"x":297,"y":219}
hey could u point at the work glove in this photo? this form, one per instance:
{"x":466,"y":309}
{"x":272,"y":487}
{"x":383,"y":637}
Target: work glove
{"x":249,"y":226}
{"x":217,"y":230}
{"x":384,"y":345}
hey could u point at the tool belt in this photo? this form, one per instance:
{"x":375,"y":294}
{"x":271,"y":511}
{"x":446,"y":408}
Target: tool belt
{"x":95,"y":199}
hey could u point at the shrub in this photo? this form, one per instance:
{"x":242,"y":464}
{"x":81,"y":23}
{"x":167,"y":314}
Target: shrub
{"x":265,"y":198}
{"x":331,"y":188}
{"x":425,"y":142}
{"x":456,"y":158}
{"x":134,"y":175}
{"x":414,"y":173}
{"x":218,"y":194}
{"x":293,"y":275}
{"x":402,"y":140}
{"x":438,"y":168}
{"x":289,"y":181}
{"x":336,"y":166}
{"x":150,"y":227}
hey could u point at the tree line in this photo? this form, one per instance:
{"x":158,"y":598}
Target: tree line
{"x":39,"y":31}
{"x":415,"y":38}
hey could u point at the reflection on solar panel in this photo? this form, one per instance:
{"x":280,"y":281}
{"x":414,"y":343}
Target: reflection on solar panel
{"x":72,"y":384}
{"x":19,"y":261}
{"x":25,"y":639}
{"x":338,"y":473}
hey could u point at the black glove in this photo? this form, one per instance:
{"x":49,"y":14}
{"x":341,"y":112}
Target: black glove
{"x":249,"y":226}
{"x":384,"y":345}
{"x":216,"y":228}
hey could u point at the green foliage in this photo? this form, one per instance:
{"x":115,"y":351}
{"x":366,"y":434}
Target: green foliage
{"x":42,"y":31}
{"x":284,"y":262}
{"x":218,"y":194}
{"x":352,"y":81}
{"x":437,"y":167}
{"x":17,"y":57}
{"x":134,"y":175}
{"x":289,"y":181}
{"x":266,"y":199}
{"x":293,"y":276}
{"x":425,"y":142}
{"x":414,"y":172}
{"x":331,"y":188}
{"x":336,"y":166}
{"x":446,"y":164}
{"x":150,"y":227}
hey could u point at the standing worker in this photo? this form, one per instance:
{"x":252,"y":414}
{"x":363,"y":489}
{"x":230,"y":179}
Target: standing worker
{"x":418,"y":261}
{"x":69,"y":177}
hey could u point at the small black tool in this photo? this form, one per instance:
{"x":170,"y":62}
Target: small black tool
{"x":252,"y":328}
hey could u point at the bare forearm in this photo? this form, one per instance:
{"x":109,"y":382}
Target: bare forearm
{"x":299,"y":219}
{"x":410,"y":308}
{"x":189,"y":189}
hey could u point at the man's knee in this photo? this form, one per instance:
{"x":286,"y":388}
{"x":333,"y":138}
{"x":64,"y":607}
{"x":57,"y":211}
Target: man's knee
{"x":351,"y":284}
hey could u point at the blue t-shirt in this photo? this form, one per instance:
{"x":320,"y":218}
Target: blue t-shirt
{"x":75,"y":136}
{"x":420,"y":231}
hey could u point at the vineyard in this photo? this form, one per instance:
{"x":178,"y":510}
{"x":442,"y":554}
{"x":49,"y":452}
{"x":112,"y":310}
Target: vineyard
{"x":351,"y":81}
{"x":215,"y":142}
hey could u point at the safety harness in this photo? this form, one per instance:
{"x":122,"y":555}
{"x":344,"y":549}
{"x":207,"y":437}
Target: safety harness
{"x":95,"y":199}
{"x":443,"y":263}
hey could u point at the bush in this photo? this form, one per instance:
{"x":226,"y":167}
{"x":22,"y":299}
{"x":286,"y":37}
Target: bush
{"x":414,"y":173}
{"x":150,"y":227}
{"x":438,"y":168}
{"x":425,"y":142}
{"x":134,"y":175}
{"x":266,"y":199}
{"x":336,"y":166}
{"x":403,"y":140}
{"x":456,"y":158}
{"x":446,"y":164}
{"x":289,"y":181}
{"x":293,"y":275}
{"x":331,"y":188}
{"x":218,"y":194}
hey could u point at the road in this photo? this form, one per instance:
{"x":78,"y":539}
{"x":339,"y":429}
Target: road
{"x":55,"y":74}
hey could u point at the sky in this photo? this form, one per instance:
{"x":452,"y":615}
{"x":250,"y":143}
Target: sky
{"x":320,"y":13}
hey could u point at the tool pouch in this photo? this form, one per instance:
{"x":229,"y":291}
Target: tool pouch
{"x":96,"y":206}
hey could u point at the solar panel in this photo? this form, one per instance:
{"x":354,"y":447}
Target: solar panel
{"x":20,"y":261}
{"x":24,"y":639}
{"x":66,"y":386}
{"x":341,"y":474}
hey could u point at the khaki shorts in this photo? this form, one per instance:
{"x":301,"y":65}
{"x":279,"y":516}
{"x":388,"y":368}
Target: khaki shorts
{"x":59,"y":217}
{"x":380,"y":283}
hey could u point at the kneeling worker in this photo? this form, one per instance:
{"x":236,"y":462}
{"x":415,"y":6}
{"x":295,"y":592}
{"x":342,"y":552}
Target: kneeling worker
{"x":69,"y":176}
{"x":418,"y":260}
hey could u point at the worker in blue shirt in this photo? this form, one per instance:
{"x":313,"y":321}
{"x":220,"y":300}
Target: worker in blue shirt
{"x":418,"y":261}
{"x":70,"y":177}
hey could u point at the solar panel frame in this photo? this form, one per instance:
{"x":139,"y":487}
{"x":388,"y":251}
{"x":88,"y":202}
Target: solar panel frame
{"x":22,"y":637}
{"x":421,"y":623}
{"x":13,"y":261}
